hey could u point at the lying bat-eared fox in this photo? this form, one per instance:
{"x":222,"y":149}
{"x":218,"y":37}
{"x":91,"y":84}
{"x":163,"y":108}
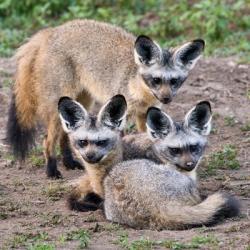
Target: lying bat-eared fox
{"x":142,"y":194}
{"x":90,"y":61}
{"x":96,"y":141}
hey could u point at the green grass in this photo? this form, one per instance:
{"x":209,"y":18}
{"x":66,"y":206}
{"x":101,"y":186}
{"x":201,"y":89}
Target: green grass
{"x":36,"y":157}
{"x":54,"y":191}
{"x":51,"y":219}
{"x":230,"y":121}
{"x":248,"y":94}
{"x":245,"y":127}
{"x":147,"y":244}
{"x":41,"y":246}
{"x":224,"y":24}
{"x":30,"y":241}
{"x":222,"y":159}
{"x":83,"y":236}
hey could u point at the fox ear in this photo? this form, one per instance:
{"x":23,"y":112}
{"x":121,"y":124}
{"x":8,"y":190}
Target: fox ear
{"x":146,"y":51}
{"x":72,"y":114}
{"x":113,"y":113}
{"x":199,"y":118}
{"x":189,"y":53}
{"x":159,"y":124}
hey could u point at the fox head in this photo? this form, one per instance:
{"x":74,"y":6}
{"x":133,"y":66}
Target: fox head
{"x":165,"y":70}
{"x":93,"y":137}
{"x":180,"y":143}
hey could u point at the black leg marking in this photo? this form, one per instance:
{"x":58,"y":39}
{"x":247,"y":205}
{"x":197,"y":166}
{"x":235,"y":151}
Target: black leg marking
{"x":68,"y":159}
{"x":91,"y":202}
{"x":52,"y":171}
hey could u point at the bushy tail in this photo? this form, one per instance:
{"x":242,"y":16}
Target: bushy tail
{"x":90,"y":202}
{"x":22,"y":112}
{"x":20,"y":137}
{"x":210,"y":211}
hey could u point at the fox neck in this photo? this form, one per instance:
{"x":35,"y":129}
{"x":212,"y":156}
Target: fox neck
{"x":140,"y":94}
{"x":97,"y":172}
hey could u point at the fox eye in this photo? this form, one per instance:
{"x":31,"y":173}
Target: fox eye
{"x":174,"y":151}
{"x":194,"y":148}
{"x":156,"y":80}
{"x":101,"y":143}
{"x":174,"y":82}
{"x":82,"y":143}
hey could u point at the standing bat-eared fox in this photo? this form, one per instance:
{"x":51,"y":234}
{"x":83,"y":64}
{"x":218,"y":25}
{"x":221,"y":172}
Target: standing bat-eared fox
{"x":141,"y":193}
{"x":89,"y":61}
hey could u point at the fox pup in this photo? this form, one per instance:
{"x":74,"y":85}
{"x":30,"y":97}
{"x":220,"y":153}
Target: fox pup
{"x":142,"y":194}
{"x":89,"y":61}
{"x":96,"y":142}
{"x":177,"y":149}
{"x":181,"y":149}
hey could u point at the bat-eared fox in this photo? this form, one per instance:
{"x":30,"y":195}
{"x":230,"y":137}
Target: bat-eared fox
{"x":143,"y":194}
{"x":89,"y":61}
{"x":96,"y":142}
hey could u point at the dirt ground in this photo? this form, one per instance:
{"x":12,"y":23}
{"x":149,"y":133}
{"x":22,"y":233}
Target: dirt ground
{"x":33,"y":214}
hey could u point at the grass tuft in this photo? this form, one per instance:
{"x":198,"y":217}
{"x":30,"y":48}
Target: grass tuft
{"x":222,"y":159}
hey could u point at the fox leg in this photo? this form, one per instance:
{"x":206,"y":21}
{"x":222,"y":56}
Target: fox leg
{"x":68,"y":158}
{"x":82,"y":198}
{"x":141,"y":121}
{"x":49,"y":146}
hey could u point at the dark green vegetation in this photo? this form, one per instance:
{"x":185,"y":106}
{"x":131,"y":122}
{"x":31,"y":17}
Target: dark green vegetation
{"x":225,"y":25}
{"x":223,"y":159}
{"x":146,"y":244}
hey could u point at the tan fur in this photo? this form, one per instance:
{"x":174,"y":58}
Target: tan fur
{"x":65,"y":61}
{"x":25,"y":84}
{"x":92,"y":180}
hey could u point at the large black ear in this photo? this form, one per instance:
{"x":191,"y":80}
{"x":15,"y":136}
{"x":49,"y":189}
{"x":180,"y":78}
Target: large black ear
{"x":189,"y":53}
{"x":147,"y":52}
{"x":72,"y":114}
{"x":113,"y":113}
{"x":159,"y":124}
{"x":199,"y":118}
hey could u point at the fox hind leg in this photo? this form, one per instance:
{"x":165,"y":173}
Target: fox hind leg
{"x":50,"y":145}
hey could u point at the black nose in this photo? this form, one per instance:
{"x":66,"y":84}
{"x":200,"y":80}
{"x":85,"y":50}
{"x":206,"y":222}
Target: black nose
{"x":166,"y":100}
{"x":91,"y":156}
{"x":190,"y":165}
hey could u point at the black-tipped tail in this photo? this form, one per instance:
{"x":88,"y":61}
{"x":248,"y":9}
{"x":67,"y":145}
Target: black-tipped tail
{"x":20,"y":139}
{"x":229,"y":209}
{"x":90,"y":202}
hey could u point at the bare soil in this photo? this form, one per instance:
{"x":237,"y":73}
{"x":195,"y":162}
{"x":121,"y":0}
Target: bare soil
{"x":33,"y":210}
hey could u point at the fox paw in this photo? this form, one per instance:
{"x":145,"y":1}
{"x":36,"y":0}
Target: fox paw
{"x":70,"y":163}
{"x":52,"y":171}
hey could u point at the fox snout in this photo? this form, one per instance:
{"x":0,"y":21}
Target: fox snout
{"x":187,"y":164}
{"x":166,"y":99}
{"x":92,"y":157}
{"x":164,"y":94}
